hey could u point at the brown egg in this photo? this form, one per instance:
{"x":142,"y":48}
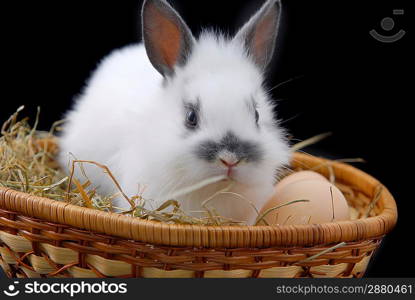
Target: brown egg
{"x":326,"y":203}
{"x":297,"y":176}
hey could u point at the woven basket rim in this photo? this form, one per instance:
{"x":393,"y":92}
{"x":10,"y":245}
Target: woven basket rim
{"x":153,"y":232}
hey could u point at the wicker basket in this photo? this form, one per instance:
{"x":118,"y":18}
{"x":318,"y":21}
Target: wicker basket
{"x":40,"y":237}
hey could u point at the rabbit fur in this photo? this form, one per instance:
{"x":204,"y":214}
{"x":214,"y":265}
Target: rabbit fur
{"x":174,"y":110}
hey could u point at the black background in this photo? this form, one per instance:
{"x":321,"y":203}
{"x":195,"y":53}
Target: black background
{"x":342,"y":80}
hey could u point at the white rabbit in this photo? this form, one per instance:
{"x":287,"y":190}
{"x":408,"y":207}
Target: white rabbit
{"x":205,"y":113}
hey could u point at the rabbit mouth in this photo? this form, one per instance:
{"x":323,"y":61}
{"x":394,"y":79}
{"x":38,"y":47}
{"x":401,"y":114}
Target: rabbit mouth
{"x":232,"y":173}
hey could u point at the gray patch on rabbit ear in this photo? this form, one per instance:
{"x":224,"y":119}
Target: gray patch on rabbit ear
{"x":167,"y":39}
{"x":259,"y":34}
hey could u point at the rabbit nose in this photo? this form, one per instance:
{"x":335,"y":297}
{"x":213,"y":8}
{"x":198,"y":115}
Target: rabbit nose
{"x":228,"y":159}
{"x":229,"y":162}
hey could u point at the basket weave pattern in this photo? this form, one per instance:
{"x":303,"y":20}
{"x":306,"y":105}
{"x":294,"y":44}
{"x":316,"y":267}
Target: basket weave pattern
{"x":44,"y":238}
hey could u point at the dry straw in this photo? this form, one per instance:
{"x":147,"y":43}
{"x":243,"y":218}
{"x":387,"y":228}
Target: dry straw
{"x":27,"y":162}
{"x":28,"y":165}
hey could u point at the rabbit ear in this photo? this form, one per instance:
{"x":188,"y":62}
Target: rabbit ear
{"x":260,"y":32}
{"x":167,"y":39}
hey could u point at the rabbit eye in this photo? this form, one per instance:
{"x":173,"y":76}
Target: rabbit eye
{"x":256,"y":116}
{"x":191,"y":118}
